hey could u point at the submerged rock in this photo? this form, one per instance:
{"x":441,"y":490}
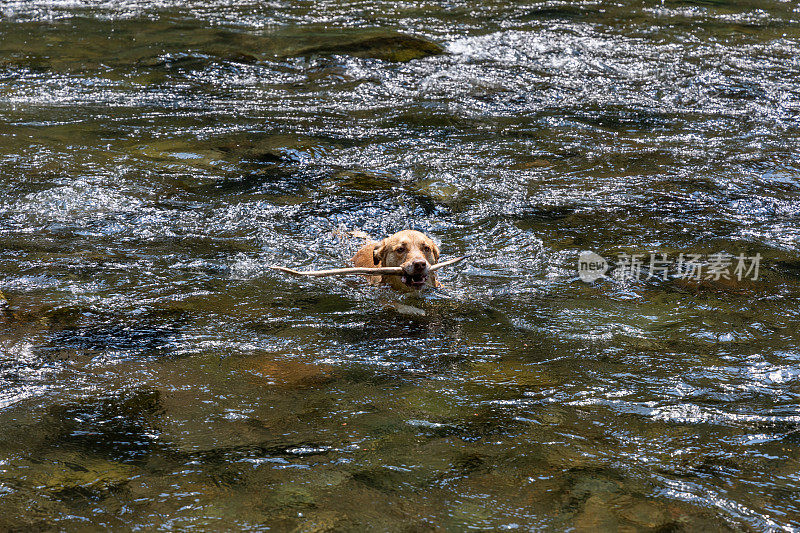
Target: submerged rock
{"x":386,"y":46}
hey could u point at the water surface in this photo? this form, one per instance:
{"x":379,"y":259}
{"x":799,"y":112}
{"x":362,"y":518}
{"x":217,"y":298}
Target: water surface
{"x":156,"y":157}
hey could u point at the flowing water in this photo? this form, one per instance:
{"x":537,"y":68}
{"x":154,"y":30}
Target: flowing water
{"x":157,"y":156}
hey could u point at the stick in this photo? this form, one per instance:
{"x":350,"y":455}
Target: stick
{"x":342,"y":271}
{"x":377,"y":271}
{"x":449,"y":262}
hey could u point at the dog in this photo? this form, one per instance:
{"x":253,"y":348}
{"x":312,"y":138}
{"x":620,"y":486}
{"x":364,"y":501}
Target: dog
{"x":410,"y":250}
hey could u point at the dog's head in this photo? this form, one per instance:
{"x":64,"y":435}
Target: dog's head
{"x":412,"y":251}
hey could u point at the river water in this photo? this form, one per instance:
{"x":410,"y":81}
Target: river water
{"x":157,"y":156}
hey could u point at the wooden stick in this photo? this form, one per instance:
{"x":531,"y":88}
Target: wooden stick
{"x":343,"y":271}
{"x":449,"y":262}
{"x":377,"y":271}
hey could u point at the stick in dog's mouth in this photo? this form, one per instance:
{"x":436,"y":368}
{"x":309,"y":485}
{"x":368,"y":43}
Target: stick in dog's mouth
{"x":377,"y":271}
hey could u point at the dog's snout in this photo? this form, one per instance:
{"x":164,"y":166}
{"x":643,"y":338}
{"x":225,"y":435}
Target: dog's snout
{"x":419,"y":264}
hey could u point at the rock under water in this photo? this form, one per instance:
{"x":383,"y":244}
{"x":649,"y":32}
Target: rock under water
{"x":385,"y":46}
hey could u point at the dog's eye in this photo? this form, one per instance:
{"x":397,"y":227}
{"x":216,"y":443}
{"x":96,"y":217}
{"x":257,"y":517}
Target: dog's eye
{"x":426,"y":248}
{"x":400,"y":250}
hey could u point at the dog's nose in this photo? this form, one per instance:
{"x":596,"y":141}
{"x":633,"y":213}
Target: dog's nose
{"x":419,"y":264}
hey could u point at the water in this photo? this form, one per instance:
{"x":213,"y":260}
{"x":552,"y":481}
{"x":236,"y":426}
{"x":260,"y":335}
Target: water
{"x":156,"y":157}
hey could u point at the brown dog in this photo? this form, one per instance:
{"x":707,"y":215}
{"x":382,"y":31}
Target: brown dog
{"x":411,"y":250}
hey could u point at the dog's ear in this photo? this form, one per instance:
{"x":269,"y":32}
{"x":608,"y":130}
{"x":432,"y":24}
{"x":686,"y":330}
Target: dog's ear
{"x":378,"y":251}
{"x":435,"y":250}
